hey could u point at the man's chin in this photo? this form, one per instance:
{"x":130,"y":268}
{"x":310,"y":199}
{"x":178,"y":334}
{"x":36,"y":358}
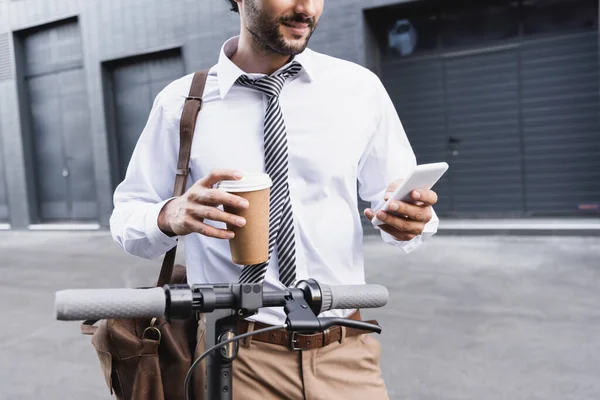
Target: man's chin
{"x":297,"y":45}
{"x":293,"y":51}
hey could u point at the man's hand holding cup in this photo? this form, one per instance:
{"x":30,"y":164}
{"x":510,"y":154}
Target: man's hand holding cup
{"x":186,"y":214}
{"x":245,"y":201}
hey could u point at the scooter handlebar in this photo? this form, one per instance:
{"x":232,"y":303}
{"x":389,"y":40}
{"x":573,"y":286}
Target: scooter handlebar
{"x":81,"y":304}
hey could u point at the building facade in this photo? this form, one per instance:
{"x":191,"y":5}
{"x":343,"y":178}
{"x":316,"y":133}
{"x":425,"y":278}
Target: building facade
{"x":504,"y":92}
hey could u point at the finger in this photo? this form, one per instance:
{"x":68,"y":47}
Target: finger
{"x":219,"y":197}
{"x":405,"y":237}
{"x":428,"y":197}
{"x":400,"y":224}
{"x":218,"y":175}
{"x":369,"y":214}
{"x":214,"y":214}
{"x":387,"y":195}
{"x":200,"y":227}
{"x":411,"y":211}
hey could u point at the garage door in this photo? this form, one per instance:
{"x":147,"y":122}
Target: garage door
{"x":5,"y":74}
{"x":517,"y":122}
{"x":561,"y":130}
{"x":4,"y":217}
{"x":58,"y":101}
{"x":135,"y":84}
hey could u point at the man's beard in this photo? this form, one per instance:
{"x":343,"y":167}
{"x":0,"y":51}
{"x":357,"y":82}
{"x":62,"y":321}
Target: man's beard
{"x":267,"y":32}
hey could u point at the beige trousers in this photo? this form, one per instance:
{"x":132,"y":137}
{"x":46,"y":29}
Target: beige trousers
{"x":348,"y":370}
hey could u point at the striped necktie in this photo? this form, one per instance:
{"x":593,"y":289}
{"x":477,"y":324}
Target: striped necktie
{"x":281,"y":221}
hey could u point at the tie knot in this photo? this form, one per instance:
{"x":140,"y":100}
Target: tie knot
{"x":271,"y":85}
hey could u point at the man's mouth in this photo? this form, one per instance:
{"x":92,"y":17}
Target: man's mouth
{"x":297,"y":27}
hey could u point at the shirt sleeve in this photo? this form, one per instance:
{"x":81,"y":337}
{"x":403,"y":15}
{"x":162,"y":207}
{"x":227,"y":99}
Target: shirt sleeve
{"x":147,"y":186}
{"x":387,"y":157}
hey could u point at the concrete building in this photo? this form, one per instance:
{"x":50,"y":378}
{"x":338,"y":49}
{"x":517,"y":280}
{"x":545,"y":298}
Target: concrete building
{"x":507,"y":92}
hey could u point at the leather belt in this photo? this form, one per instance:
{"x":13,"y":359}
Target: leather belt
{"x":304,"y":341}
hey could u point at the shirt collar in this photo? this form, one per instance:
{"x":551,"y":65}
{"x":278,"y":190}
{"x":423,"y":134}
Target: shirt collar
{"x":228,"y":72}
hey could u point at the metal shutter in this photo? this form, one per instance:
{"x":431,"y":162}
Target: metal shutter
{"x":560,"y":123}
{"x":416,"y":87}
{"x":135,"y":84}
{"x":518,"y":123}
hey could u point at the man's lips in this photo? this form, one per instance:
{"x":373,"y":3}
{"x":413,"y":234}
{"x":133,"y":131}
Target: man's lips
{"x":297,"y":27}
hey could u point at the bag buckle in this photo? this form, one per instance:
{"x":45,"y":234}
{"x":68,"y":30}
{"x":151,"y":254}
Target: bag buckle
{"x":199,"y":99}
{"x":151,"y":329}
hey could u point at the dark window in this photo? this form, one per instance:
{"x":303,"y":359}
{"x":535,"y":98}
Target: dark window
{"x":403,"y":31}
{"x":413,"y":35}
{"x":553,"y":16}
{"x":424,"y":26}
{"x":466,"y":23}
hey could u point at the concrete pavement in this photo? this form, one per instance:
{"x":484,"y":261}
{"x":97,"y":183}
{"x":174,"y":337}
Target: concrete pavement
{"x":493,"y":318}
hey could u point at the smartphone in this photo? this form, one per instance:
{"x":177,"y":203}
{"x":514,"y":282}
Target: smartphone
{"x":422,"y":177}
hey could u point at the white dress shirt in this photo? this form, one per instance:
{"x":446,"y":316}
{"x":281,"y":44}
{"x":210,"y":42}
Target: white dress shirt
{"x":341,"y":128}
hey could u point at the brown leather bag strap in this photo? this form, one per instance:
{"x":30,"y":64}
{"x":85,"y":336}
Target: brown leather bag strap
{"x":191,"y":108}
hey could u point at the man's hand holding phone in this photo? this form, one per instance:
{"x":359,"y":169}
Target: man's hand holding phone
{"x":408,"y":203}
{"x":405,"y":220}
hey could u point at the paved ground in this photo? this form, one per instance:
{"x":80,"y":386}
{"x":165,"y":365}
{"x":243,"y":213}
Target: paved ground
{"x":494,"y":318}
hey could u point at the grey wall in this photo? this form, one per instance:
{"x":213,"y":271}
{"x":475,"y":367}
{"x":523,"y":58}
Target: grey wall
{"x":114,"y":29}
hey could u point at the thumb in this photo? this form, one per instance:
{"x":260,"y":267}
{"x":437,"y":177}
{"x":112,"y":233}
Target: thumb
{"x":219,"y":175}
{"x":369,"y":213}
{"x":392,"y":187}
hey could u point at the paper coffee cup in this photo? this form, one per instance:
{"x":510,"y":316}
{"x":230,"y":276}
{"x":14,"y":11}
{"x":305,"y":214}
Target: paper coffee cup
{"x":251,"y":242}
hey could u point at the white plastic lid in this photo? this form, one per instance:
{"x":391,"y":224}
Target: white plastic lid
{"x":249,"y":183}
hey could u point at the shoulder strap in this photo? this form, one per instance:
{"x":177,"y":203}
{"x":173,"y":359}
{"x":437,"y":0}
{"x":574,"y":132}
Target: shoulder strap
{"x":191,"y":108}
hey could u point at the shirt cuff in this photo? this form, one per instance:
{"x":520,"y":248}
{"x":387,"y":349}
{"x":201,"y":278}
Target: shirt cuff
{"x":157,"y":239}
{"x":407,"y":246}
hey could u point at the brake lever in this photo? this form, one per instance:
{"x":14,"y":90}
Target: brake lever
{"x":349,"y":323}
